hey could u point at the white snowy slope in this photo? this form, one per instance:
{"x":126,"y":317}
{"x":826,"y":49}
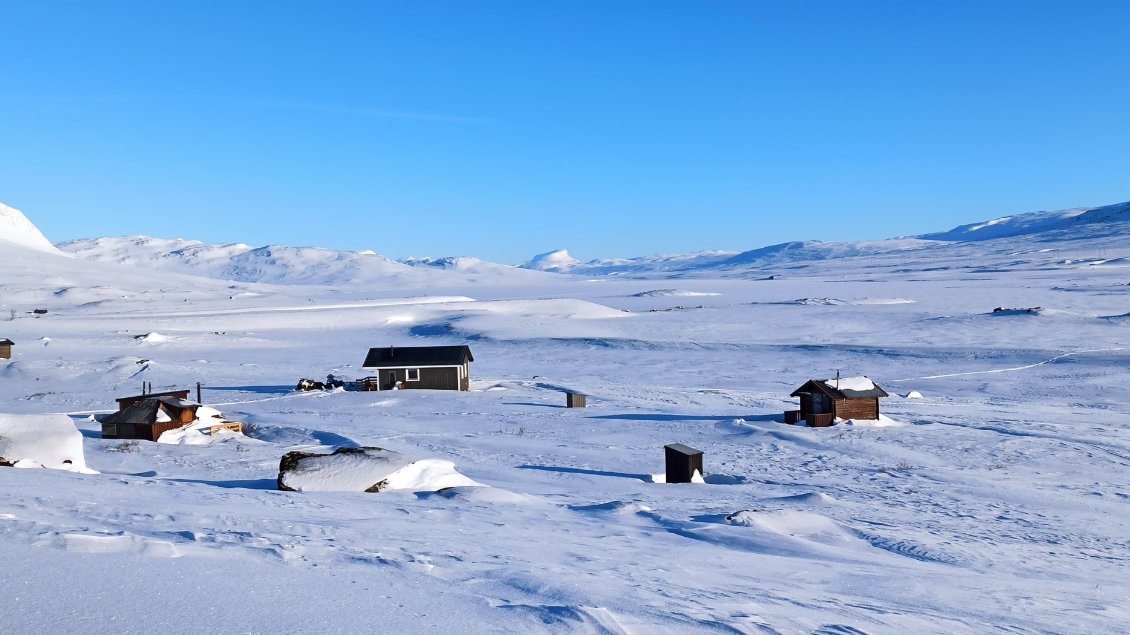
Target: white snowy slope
{"x":16,"y":229}
{"x":995,"y":500}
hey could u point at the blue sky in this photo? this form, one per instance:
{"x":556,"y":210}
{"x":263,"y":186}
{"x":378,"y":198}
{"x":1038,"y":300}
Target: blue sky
{"x":505,"y":129}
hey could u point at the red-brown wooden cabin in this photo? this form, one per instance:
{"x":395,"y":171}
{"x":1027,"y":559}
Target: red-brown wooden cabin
{"x":822,"y":401}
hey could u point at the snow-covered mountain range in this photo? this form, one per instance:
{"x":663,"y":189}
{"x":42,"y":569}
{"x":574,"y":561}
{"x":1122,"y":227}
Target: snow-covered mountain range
{"x":308,"y":265}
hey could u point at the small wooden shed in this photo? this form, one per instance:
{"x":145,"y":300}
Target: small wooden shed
{"x":149,"y":417}
{"x":410,"y":367}
{"x":822,"y":401}
{"x":6,"y":348}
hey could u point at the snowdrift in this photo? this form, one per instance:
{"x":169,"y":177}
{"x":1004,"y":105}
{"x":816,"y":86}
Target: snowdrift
{"x":366,"y":469}
{"x":50,"y":441}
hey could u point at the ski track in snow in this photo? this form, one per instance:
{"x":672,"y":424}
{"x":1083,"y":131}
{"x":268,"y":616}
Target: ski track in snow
{"x":1013,"y":369}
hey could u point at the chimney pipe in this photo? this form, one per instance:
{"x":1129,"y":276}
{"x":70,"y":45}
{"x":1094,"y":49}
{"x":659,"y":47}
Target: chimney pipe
{"x":198,"y":394}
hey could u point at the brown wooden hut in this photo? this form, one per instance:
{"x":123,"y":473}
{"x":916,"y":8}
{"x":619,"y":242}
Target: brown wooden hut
{"x":6,"y":348}
{"x":126,"y":402}
{"x":149,"y":417}
{"x":822,"y":401}
{"x":410,"y":367}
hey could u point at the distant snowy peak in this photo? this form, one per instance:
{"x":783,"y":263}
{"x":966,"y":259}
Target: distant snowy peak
{"x":559,"y":261}
{"x":16,"y":228}
{"x":1034,"y":223}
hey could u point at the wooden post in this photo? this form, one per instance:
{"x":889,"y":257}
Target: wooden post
{"x":682,"y":463}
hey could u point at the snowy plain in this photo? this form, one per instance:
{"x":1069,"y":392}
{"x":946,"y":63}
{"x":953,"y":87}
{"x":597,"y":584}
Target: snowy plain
{"x":994,"y":501}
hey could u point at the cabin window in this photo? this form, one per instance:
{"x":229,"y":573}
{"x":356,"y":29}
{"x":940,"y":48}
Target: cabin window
{"x":413,"y":374}
{"x":110,"y":429}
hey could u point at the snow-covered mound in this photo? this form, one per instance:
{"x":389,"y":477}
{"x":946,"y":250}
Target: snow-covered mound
{"x":559,"y":261}
{"x":366,"y":470}
{"x":16,"y":228}
{"x":41,"y":441}
{"x":678,"y":293}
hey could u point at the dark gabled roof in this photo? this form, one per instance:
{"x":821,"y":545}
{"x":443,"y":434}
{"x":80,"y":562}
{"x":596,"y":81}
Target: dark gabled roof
{"x":6,"y":342}
{"x":820,"y":385}
{"x":400,"y":356}
{"x":145,"y":411}
{"x":183,"y":394}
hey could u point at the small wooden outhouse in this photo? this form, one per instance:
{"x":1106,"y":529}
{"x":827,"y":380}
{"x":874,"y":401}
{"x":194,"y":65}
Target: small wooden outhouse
{"x":6,"y":348}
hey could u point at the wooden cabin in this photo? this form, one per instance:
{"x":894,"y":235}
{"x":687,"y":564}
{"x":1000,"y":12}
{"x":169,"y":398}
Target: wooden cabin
{"x":6,"y":348}
{"x":410,"y":367}
{"x":149,"y":417}
{"x":126,"y":402}
{"x":822,"y":401}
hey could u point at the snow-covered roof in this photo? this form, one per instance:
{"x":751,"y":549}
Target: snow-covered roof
{"x":849,"y":388}
{"x":401,"y":356}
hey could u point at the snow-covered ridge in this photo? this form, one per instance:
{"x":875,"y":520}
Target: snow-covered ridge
{"x":310,"y":265}
{"x":16,"y":228}
{"x":1034,"y":223}
{"x":238,"y":261}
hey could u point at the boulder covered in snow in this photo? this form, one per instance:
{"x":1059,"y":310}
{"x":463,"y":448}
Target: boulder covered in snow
{"x":41,"y":441}
{"x":366,"y":469}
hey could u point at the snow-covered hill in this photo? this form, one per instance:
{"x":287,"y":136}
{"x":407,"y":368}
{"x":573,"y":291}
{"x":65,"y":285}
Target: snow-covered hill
{"x":1035,"y":223}
{"x":1075,"y":228}
{"x":240,"y":262}
{"x":15,"y":228}
{"x":308,"y":265}
{"x":276,"y":264}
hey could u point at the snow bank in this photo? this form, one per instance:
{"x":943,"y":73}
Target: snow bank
{"x":198,"y":434}
{"x":151,"y":338}
{"x":851,"y":383}
{"x":42,"y":441}
{"x":796,"y":524}
{"x":657,"y":293}
{"x":366,"y":470}
{"x":882,"y":422}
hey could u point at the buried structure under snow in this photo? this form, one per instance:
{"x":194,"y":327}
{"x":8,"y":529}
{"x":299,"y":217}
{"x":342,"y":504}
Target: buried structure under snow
{"x":822,"y":401}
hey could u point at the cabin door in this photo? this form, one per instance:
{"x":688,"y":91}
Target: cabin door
{"x":821,"y":404}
